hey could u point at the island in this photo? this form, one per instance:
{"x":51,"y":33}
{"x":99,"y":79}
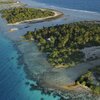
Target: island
{"x":68,"y":54}
{"x":63,"y":44}
{"x":25,"y":14}
{"x":91,"y":79}
{"x":64,"y":47}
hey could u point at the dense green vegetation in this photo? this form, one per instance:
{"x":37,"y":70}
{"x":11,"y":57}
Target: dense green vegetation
{"x":62,"y":43}
{"x":14,"y":15}
{"x":91,"y":79}
{"x":6,"y":2}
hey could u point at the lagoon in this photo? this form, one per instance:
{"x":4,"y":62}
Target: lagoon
{"x":12,"y":75}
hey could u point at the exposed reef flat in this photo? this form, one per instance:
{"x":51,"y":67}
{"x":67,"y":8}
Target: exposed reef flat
{"x":60,"y":80}
{"x":37,"y":65}
{"x":65,"y":78}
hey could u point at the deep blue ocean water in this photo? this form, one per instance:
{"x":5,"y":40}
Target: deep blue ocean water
{"x":88,"y":5}
{"x":12,"y":76}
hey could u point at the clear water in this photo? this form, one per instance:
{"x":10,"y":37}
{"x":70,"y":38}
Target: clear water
{"x":12,"y":75}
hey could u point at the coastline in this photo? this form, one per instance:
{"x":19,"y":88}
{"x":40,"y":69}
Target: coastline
{"x":57,"y":14}
{"x":26,"y":66}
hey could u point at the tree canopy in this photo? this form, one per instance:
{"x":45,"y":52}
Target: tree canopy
{"x":91,"y":79}
{"x":14,"y":15}
{"x":62,"y":43}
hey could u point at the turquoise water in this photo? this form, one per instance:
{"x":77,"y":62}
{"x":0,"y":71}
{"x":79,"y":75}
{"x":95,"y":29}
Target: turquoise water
{"x":12,"y":76}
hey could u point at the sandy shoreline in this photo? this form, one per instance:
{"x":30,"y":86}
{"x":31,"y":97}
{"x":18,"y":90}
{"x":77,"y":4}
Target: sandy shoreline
{"x":57,"y":14}
{"x":35,"y":67}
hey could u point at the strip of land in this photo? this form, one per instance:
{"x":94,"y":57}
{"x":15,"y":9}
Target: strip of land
{"x":16,"y":16}
{"x":57,"y":14}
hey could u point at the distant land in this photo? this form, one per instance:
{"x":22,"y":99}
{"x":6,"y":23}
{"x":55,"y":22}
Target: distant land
{"x":23,"y":14}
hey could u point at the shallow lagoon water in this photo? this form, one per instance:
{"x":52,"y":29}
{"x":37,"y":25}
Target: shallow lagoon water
{"x":12,"y":79}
